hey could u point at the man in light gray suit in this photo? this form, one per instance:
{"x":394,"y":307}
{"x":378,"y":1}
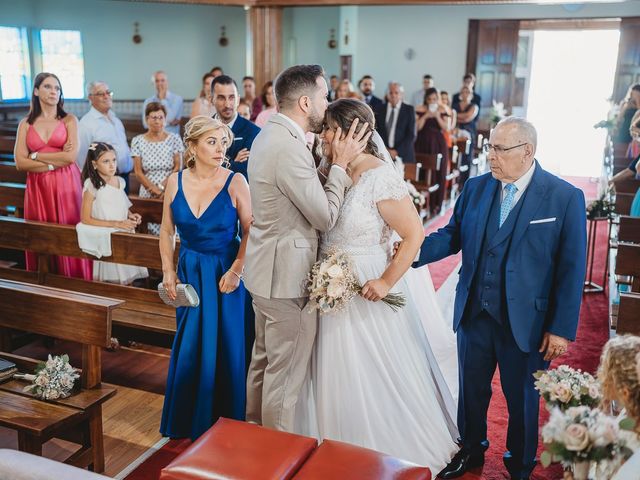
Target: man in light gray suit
{"x":290,"y":207}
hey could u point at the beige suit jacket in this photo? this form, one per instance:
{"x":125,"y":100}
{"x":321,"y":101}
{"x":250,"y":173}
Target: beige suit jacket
{"x":290,"y":208}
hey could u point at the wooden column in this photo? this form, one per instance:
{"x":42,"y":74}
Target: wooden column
{"x":266,"y":39}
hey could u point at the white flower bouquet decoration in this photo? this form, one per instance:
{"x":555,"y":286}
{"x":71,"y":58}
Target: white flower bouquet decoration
{"x":332,"y":283}
{"x":418,"y":198}
{"x":53,"y":379}
{"x":565,"y":387}
{"x":581,"y":435}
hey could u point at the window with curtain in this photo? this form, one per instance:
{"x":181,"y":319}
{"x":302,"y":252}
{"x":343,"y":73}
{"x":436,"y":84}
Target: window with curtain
{"x":62,"y":55}
{"x":14,"y":64}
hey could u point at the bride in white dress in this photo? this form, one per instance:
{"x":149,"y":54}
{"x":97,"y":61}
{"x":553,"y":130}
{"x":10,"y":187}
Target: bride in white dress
{"x":378,"y":378}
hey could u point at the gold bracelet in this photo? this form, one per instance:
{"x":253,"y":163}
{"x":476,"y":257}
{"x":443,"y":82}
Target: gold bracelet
{"x":236,"y":274}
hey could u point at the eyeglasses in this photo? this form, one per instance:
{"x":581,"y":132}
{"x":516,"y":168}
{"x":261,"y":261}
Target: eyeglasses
{"x":108,"y":93}
{"x":498,"y":148}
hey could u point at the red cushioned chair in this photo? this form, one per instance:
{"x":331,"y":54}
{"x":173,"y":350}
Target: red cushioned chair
{"x":337,"y":460}
{"x":233,"y":450}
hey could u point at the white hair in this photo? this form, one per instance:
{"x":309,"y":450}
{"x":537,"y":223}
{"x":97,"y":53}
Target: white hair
{"x":395,"y":83}
{"x":92,"y":85}
{"x":524,"y":127}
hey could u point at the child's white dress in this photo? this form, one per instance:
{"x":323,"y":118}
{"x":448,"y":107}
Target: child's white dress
{"x":112,"y":203}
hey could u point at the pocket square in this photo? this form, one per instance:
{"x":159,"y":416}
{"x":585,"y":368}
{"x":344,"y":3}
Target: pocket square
{"x":237,"y":139}
{"x":543,"y":220}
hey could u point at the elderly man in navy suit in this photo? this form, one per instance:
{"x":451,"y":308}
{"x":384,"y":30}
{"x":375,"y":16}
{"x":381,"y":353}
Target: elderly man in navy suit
{"x":522,"y":232}
{"x":225,"y":98}
{"x":396,"y":124}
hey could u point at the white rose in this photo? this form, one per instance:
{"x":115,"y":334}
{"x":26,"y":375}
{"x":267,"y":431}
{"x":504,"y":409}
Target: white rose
{"x":562,"y":393}
{"x":603,"y":433}
{"x":42,"y":380}
{"x":335,"y":289}
{"x":335,"y":271}
{"x":324,"y":266}
{"x":576,"y":437}
{"x":66,"y":381}
{"x":594,"y":391}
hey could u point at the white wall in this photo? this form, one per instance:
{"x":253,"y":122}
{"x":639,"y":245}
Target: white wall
{"x":180,"y":39}
{"x":437,"y":34}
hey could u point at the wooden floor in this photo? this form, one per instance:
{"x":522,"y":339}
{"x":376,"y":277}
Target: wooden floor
{"x":132,"y":418}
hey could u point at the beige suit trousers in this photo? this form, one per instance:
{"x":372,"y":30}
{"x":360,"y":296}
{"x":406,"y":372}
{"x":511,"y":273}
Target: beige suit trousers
{"x":285,"y":333}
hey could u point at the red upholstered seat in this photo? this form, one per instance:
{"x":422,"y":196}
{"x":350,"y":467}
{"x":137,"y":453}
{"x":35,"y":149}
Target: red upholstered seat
{"x":337,"y":460}
{"x":233,"y":450}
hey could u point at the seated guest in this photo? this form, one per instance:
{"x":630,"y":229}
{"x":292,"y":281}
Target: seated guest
{"x":268,"y":105}
{"x":396,"y":124}
{"x":367,"y":86}
{"x":628,"y":108}
{"x":469,"y":81}
{"x":619,"y":376}
{"x":467,"y":112}
{"x":244,"y":110}
{"x":418,"y":97}
{"x":224,"y":94}
{"x":431,"y":124}
{"x":54,"y":190}
{"x":105,"y":204}
{"x":216,"y":71}
{"x":202,"y":104}
{"x":100,"y":124}
{"x":248,"y":90}
{"x":207,"y":370}
{"x":156,"y":155}
{"x":345,"y":90}
{"x":334,"y":81}
{"x":171,"y":101}
{"x":446,"y":101}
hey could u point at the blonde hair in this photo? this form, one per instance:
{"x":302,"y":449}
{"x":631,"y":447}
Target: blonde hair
{"x":619,"y":369}
{"x":195,"y":129}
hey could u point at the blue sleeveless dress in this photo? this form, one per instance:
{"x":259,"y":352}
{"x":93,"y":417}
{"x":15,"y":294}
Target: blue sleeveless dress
{"x":207,"y":370}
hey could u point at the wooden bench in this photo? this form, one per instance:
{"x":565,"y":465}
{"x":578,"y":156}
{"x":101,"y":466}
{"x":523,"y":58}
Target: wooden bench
{"x":433,"y":172}
{"x":64,"y":315}
{"x":623,"y":203}
{"x":630,"y":186}
{"x":628,"y":263}
{"x":628,"y":318}
{"x":9,"y":173}
{"x":7,"y":143}
{"x":629,"y":229}
{"x":422,"y":181}
{"x":12,"y":197}
{"x":142,"y":317}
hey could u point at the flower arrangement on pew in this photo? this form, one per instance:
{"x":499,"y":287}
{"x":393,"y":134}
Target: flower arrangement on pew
{"x":53,"y":379}
{"x":565,"y":387}
{"x":419,"y":200}
{"x":581,"y":436}
{"x":332,"y":283}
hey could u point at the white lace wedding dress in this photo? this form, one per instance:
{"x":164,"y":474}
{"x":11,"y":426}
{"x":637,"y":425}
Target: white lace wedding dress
{"x":378,"y":378}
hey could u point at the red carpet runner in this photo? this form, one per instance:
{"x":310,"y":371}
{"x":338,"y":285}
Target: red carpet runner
{"x":593,"y":332}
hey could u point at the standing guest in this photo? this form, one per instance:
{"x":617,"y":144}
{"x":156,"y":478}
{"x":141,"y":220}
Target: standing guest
{"x":224,"y":93}
{"x":205,"y":202}
{"x":367,"y":86}
{"x":100,"y":124}
{"x":156,"y":155}
{"x":105,"y":204}
{"x":446,"y":101}
{"x":202,"y":104}
{"x":268,"y":103}
{"x":396,"y":124}
{"x":244,"y":110}
{"x":216,"y":71}
{"x":467,"y":117}
{"x":417,"y":98}
{"x":54,"y":189}
{"x":522,"y":232}
{"x":171,"y":101}
{"x":431,"y":124}
{"x":469,"y":81}
{"x":248,"y":90}
{"x":345,"y":90}
{"x":334,"y":81}
{"x":628,"y":108}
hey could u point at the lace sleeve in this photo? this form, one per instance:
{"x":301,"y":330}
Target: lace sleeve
{"x":389,"y":186}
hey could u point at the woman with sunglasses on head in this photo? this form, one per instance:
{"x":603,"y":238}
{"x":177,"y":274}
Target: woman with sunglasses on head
{"x":46,"y":148}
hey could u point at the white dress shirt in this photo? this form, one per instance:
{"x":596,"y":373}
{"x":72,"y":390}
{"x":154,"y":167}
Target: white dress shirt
{"x":391,"y":134}
{"x":97,"y":127}
{"x":521,"y":184}
{"x":173,"y":104}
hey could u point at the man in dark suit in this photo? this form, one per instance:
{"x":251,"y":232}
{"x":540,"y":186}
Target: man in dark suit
{"x":224,"y":96}
{"x":367,"y":86}
{"x":396,"y":124}
{"x":522,"y":232}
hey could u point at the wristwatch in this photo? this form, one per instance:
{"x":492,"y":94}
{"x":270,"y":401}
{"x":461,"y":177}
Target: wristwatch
{"x":34,"y":156}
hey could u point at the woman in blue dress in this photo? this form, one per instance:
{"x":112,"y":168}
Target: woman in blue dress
{"x":205,"y":203}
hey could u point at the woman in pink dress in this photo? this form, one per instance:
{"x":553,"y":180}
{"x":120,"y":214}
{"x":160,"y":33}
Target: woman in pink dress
{"x":46,"y":148}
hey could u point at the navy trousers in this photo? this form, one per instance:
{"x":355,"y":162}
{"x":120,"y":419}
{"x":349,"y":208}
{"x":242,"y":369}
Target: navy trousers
{"x":484,"y":343}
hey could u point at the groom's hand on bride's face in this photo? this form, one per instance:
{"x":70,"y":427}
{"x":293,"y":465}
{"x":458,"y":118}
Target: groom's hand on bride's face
{"x":346,"y":148}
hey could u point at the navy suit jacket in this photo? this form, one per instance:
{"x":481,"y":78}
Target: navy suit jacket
{"x":546,"y":262}
{"x":376,"y":104}
{"x":405,"y":131}
{"x":244,"y":132}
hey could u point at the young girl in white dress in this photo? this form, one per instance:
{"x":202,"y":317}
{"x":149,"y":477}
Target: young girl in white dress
{"x":105,"y":204}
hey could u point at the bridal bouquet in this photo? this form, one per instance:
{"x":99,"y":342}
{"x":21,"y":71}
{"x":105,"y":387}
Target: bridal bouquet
{"x":53,"y":379}
{"x":564,"y":387}
{"x":579,"y":436}
{"x":332,"y":283}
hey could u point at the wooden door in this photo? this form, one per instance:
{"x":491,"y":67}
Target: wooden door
{"x":491,"y":55}
{"x":628,"y":70}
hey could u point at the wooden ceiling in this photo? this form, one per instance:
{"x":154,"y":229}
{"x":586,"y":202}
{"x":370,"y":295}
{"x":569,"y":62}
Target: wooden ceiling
{"x":319,"y":3}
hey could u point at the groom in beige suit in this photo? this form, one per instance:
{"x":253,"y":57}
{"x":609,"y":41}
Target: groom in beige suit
{"x":290,"y":207}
